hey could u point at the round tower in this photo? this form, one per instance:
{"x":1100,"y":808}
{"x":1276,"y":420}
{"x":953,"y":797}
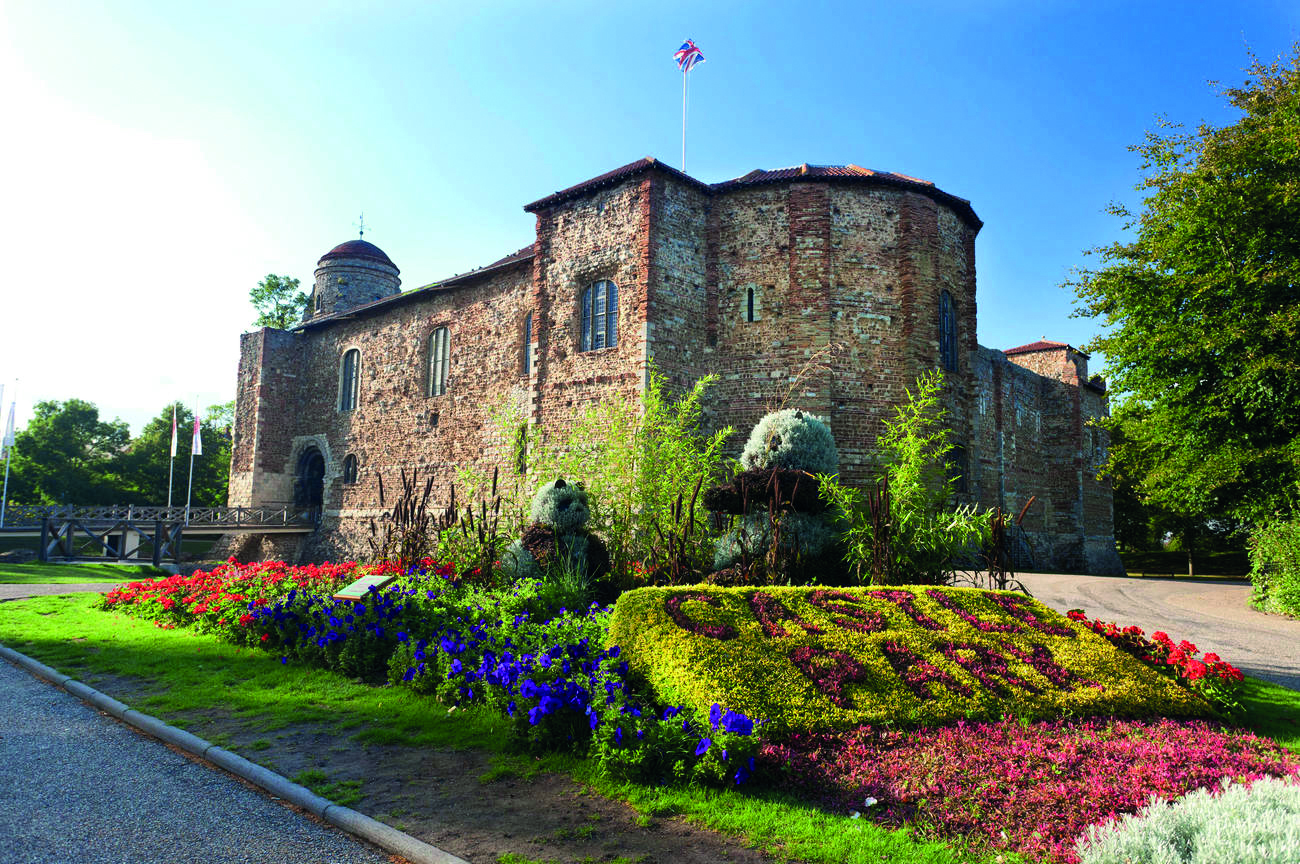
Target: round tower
{"x":349,"y":275}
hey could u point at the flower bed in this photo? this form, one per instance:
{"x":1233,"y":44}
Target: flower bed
{"x":808,"y":659}
{"x":216,"y":600}
{"x":1215,"y":679}
{"x":1032,"y":788}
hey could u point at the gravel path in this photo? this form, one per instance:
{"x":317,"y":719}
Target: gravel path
{"x":76,"y":785}
{"x":1213,"y":615}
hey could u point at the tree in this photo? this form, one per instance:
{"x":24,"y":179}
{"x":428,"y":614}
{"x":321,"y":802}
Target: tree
{"x":145,"y":464}
{"x":67,"y":455}
{"x":1202,"y":307}
{"x":278,"y":301}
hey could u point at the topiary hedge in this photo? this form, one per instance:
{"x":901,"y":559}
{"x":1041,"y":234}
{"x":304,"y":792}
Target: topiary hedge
{"x":1275,"y":567}
{"x":816,"y":659}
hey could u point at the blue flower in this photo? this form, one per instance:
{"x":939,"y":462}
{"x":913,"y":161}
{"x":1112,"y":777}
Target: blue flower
{"x":618,"y":735}
{"x":703,"y":747}
{"x":614,"y":651}
{"x":455,"y":667}
{"x":401,"y":636}
{"x":715,"y":715}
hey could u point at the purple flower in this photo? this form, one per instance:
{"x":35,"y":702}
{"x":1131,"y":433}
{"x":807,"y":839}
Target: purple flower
{"x":703,"y":746}
{"x":715,"y":715}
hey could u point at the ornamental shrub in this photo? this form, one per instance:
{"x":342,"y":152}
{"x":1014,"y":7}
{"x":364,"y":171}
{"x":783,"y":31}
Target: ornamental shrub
{"x":637,"y":458}
{"x":1243,"y":824}
{"x":793,"y":439}
{"x":820,"y":659}
{"x":923,"y":532}
{"x":1275,"y":567}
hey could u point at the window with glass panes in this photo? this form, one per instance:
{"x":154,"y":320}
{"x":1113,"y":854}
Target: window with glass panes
{"x":350,"y":380}
{"x":439,"y":348}
{"x":599,"y":316}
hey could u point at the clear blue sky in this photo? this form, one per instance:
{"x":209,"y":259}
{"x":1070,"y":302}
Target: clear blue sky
{"x":161,"y":158}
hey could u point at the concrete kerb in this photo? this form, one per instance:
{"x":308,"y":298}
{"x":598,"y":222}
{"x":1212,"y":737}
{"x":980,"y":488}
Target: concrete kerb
{"x":384,"y":836}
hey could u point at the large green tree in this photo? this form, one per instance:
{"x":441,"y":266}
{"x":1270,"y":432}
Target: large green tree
{"x":1202,"y":307}
{"x":278,"y":301}
{"x":67,"y":455}
{"x":145,"y":464}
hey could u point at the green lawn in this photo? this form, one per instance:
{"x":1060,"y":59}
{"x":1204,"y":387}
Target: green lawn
{"x":185,"y":673}
{"x":62,"y":574}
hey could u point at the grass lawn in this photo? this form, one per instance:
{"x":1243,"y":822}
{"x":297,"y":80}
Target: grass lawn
{"x":62,"y":574}
{"x":181,"y":675}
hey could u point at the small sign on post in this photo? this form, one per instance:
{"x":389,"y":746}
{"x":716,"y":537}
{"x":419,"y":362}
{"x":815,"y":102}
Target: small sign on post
{"x":358,"y":589}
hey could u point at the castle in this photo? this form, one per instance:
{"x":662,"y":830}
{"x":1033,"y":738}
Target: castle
{"x":748,"y":279}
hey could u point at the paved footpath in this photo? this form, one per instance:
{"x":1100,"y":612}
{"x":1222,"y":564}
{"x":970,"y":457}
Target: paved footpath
{"x":76,"y":785}
{"x":1213,"y":615}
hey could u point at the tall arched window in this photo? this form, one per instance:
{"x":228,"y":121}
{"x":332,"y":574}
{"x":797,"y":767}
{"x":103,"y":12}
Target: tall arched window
{"x":528,"y":343}
{"x":439,"y":349}
{"x":350,"y":380}
{"x":350,"y":469}
{"x":599,"y":316}
{"x":947,"y":332}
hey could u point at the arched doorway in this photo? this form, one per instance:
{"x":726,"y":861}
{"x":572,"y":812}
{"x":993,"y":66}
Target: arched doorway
{"x":309,"y":484}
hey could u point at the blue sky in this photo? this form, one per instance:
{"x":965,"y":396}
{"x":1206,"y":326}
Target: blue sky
{"x":164,"y":157}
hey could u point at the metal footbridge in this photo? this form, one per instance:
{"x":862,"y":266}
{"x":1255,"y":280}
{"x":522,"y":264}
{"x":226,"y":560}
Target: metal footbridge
{"x":130,"y":533}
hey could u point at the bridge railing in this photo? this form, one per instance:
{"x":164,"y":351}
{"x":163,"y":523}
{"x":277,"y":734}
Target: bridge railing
{"x":34,"y":516}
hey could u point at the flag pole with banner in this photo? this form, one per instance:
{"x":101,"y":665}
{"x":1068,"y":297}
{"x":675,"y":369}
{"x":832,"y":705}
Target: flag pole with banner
{"x":171,"y":463}
{"x":7,"y":444}
{"x":687,"y":57}
{"x":196,"y":449}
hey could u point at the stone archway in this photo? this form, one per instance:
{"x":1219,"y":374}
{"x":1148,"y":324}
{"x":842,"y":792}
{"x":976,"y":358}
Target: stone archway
{"x":309,"y":483}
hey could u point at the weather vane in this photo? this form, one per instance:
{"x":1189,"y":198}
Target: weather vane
{"x":361,"y":225}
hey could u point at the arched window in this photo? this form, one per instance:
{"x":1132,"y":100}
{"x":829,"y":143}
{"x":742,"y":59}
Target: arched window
{"x":599,"y":316}
{"x":439,"y":349}
{"x":947,"y":332}
{"x":350,"y":380}
{"x":528,"y":343}
{"x":749,"y":304}
{"x":349,"y":469}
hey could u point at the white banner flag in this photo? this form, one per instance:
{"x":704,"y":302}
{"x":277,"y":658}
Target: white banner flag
{"x":196,"y":447}
{"x":9,"y":425}
{"x":173,"y":430}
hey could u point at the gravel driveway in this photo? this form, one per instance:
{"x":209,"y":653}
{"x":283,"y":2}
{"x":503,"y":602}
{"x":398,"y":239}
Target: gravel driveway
{"x":1214,"y":615}
{"x":76,"y":785}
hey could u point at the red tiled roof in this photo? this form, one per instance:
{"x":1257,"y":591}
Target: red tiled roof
{"x":358,"y":249}
{"x":1041,"y":345}
{"x":814,"y":172}
{"x":797,"y":173}
{"x":514,"y":257}
{"x":610,"y":178}
{"x":824,"y":173}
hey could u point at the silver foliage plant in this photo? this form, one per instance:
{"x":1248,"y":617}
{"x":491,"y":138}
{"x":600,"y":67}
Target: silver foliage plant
{"x":1242,"y":824}
{"x":794,"y":440}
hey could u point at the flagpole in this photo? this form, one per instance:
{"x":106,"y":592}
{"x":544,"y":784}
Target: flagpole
{"x":189,"y":490}
{"x":171,"y":462}
{"x":685,"y":72}
{"x":9,"y":452}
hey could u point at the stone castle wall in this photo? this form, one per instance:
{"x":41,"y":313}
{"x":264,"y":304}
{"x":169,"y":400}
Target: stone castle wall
{"x":846,"y":280}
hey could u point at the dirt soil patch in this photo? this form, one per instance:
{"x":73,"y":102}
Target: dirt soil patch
{"x":474,"y":804}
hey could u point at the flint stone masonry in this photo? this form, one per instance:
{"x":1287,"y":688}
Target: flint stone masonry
{"x":846,"y":268}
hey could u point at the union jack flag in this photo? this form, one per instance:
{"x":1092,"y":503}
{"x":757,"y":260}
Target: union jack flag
{"x":687,"y":56}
